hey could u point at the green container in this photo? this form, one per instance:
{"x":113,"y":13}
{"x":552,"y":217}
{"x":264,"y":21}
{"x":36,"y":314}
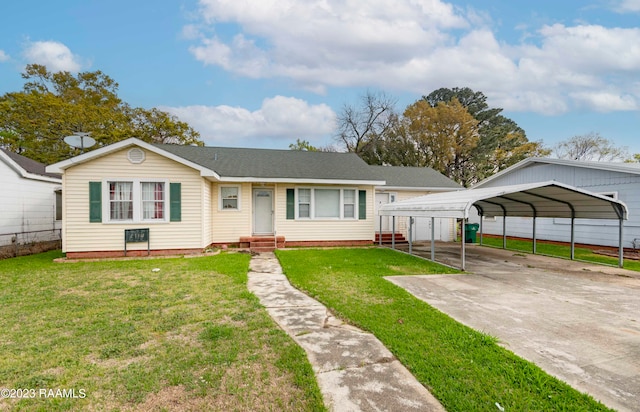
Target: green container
{"x":470,"y":230}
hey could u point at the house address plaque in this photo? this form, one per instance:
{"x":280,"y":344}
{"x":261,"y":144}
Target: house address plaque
{"x":136,"y":236}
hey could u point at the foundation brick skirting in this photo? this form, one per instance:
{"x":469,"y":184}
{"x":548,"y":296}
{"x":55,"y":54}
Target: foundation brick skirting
{"x":328,"y":243}
{"x":130,"y":253}
{"x":166,"y":252}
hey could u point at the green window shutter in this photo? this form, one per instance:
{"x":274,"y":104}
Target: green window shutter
{"x":362,"y":204}
{"x":175,"y":202}
{"x":291,"y":204}
{"x":95,"y":202}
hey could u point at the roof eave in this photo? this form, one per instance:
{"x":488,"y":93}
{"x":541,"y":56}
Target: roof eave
{"x":60,"y":167}
{"x":296,"y":180}
{"x":562,"y":162}
{"x":25,"y":174}
{"x":421,"y":189}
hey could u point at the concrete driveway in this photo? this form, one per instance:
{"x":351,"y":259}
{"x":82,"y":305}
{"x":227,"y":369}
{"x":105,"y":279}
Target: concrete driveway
{"x":579,"y":322}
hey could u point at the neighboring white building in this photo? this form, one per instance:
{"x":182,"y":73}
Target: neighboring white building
{"x":30,"y":207}
{"x":403,"y":182}
{"x":620,"y":181}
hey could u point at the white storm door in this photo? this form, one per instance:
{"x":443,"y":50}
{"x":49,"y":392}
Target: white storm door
{"x":263,"y":211}
{"x":382,"y":199}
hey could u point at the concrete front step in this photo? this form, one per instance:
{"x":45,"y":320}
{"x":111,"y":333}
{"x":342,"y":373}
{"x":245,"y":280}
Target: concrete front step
{"x":262,"y":243}
{"x":262,"y":249}
{"x":388,"y":237}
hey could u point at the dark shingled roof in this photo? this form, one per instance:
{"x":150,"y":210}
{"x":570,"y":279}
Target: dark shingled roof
{"x":30,"y":165}
{"x":270,"y":163}
{"x":414,"y":177}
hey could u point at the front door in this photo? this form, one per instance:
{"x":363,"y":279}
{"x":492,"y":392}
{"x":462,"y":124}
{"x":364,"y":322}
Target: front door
{"x":383,"y":199}
{"x":263,"y":211}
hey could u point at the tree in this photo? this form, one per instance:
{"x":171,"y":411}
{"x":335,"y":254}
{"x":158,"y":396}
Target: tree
{"x":360,"y":129}
{"x":51,"y":106}
{"x":502,"y":142}
{"x":634,"y":159}
{"x":590,"y":147}
{"x":445,"y":137}
{"x":303,"y":145}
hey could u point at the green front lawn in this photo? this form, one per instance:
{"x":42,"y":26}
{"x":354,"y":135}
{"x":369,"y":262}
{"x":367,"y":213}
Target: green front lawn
{"x":563,"y":251}
{"x":158,"y":334}
{"x":466,"y":370}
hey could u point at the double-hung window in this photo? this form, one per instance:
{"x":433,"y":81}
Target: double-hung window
{"x":326,"y":203}
{"x":120,"y":200}
{"x":304,"y":203}
{"x":136,"y":201}
{"x":230,"y":197}
{"x":349,"y":203}
{"x":153,"y":196}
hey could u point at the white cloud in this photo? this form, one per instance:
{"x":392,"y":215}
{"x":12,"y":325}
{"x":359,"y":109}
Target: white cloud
{"x":280,"y":121}
{"x":3,"y":56}
{"x":605,"y":101}
{"x":420,"y":45}
{"x":626,"y":6}
{"x":323,"y":42}
{"x":55,"y":55}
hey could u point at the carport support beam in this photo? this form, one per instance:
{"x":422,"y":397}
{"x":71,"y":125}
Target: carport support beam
{"x":573,"y":237}
{"x":393,"y":232}
{"x":504,"y":230}
{"x":410,"y":235}
{"x":620,"y":247}
{"x":464,"y":221}
{"x":534,"y":236}
{"x":433,"y":239}
{"x":481,"y":219}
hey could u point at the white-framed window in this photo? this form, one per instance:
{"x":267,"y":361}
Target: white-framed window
{"x":229,"y":198}
{"x":326,"y":203}
{"x":58,"y":200}
{"x":153,"y":204}
{"x":135,"y":200}
{"x":120,"y":200}
{"x":304,"y":203}
{"x":349,"y":203}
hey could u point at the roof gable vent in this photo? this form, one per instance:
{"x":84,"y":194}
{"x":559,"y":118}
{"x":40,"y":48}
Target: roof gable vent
{"x":135,"y":155}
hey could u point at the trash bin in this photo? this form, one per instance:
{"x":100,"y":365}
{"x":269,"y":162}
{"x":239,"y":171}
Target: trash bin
{"x":470,"y":230}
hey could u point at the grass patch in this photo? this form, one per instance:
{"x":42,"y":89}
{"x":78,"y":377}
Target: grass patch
{"x":563,"y":251}
{"x":466,"y":370}
{"x":189,"y":337}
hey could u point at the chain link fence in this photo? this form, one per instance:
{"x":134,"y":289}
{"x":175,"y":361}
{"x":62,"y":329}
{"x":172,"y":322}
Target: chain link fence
{"x":28,"y":243}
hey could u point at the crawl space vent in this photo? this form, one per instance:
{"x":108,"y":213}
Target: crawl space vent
{"x":135,"y":155}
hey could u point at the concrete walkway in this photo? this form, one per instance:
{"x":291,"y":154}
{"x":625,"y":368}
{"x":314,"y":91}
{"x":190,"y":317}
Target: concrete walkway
{"x":354,"y":370}
{"x":578,"y":321}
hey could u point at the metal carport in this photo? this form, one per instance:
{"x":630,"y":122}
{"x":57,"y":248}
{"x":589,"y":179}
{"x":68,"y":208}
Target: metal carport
{"x":545,"y":199}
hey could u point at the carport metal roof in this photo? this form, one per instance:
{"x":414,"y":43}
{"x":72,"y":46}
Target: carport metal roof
{"x":544,"y":199}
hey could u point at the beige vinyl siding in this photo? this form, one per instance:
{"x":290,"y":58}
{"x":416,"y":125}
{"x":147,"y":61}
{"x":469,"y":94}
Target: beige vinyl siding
{"x":230,"y":225}
{"x":323,"y":229}
{"x":63,"y":232}
{"x":80,"y":235}
{"x":207,"y":214}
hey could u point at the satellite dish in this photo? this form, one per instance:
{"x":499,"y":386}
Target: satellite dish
{"x":80,"y":140}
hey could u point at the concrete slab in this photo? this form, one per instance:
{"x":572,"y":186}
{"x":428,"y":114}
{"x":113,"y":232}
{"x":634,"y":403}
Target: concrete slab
{"x":355,"y":371}
{"x":579,"y":322}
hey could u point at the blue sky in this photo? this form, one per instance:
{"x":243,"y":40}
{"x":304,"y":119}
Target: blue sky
{"x":262,"y":73}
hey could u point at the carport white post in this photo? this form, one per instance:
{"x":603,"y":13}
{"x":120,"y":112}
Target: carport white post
{"x":463,"y":258}
{"x":410,"y":237}
{"x":393,"y":232}
{"x":433,"y":240}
